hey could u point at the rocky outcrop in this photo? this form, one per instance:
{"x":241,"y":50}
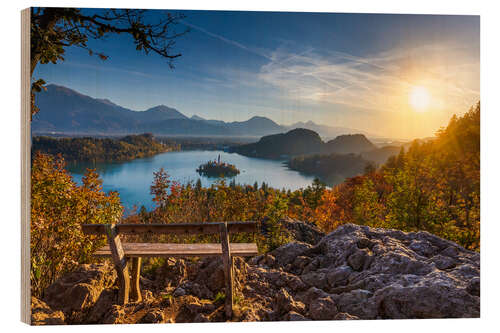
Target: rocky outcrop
{"x":355,"y":272}
{"x":42,"y":314}
{"x":80,"y":289}
{"x":302,"y":231}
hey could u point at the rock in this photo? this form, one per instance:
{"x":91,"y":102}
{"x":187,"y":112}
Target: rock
{"x":310,"y":295}
{"x":339,"y":275}
{"x":344,"y":316}
{"x":315,"y":279}
{"x":268,"y":260}
{"x":433,"y":301}
{"x":287,"y":253}
{"x":303,"y":232}
{"x":102,"y":306}
{"x":295,"y":283}
{"x":300,"y":262}
{"x":42,"y":314}
{"x":423,"y":248}
{"x":451,"y":251}
{"x":211,"y":274}
{"x":154,"y":316}
{"x":294,"y":316}
{"x":201,"y":318}
{"x":359,"y":259}
{"x":474,"y":287}
{"x":284,"y":302}
{"x":365,"y":243}
{"x":443,"y":262}
{"x":179,"y":292}
{"x":255,"y":260}
{"x":201,"y":291}
{"x":173,"y":272}
{"x":81,"y":288}
{"x":323,"y":309}
{"x":358,"y":302}
{"x":114,"y":316}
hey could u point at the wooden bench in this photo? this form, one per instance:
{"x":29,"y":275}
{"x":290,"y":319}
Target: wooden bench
{"x":122,"y":252}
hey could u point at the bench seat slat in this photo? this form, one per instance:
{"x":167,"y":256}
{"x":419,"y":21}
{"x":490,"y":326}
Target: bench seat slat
{"x":180,"y":250}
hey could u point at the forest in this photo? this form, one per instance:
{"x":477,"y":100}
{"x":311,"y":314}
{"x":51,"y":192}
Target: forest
{"x":89,"y":149}
{"x":432,"y":186}
{"x":331,"y":168}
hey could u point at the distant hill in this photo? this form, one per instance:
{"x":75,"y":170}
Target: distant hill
{"x":350,"y":143}
{"x":196,"y":117}
{"x":255,"y":126}
{"x":302,"y":141}
{"x":328,"y":131}
{"x":295,"y":142}
{"x":63,"y":110}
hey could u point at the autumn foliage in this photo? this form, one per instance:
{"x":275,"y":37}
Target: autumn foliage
{"x":58,"y":207}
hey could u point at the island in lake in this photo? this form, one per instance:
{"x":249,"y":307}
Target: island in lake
{"x":216,"y":168}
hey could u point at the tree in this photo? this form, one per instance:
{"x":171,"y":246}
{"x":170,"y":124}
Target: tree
{"x":55,"y":29}
{"x":58,"y":208}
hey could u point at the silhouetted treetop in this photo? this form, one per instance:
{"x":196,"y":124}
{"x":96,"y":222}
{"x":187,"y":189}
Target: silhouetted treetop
{"x":55,"y":29}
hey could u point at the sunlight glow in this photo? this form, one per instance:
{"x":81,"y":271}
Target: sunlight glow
{"x":419,"y":98}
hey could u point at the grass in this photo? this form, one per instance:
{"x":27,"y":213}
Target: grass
{"x":220,"y":296}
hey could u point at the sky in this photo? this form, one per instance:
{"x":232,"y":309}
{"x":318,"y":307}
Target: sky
{"x":361,"y":71}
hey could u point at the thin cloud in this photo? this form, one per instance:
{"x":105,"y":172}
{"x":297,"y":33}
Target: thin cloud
{"x":226,"y":40}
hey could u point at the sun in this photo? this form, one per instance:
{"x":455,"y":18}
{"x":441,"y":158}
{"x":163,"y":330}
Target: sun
{"x":419,"y":98}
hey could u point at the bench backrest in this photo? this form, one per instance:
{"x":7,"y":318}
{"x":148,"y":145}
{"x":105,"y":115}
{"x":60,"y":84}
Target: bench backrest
{"x":206,"y":228}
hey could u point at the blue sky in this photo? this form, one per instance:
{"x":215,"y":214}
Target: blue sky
{"x":352,"y":70}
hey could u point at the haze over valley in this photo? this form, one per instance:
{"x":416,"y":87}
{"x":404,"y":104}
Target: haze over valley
{"x":64,"y":110}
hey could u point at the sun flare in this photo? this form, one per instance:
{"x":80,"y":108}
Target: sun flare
{"x":420,"y":98}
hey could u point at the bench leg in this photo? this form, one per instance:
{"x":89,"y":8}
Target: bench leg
{"x":124,"y":283}
{"x":120,"y":262}
{"x":135,"y":292}
{"x":228,"y":269}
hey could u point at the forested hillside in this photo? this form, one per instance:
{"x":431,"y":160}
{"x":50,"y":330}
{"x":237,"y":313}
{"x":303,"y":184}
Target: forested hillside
{"x":331,"y":168}
{"x":99,"y":150}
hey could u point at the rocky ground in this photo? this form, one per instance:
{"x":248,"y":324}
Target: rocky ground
{"x":355,"y":272}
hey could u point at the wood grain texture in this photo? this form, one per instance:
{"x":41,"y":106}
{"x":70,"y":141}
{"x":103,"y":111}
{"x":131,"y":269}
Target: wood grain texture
{"x":173,"y":228}
{"x":180,"y":250}
{"x":135,"y":291}
{"x":25,"y":165}
{"x":120,"y":261}
{"x":228,"y":268}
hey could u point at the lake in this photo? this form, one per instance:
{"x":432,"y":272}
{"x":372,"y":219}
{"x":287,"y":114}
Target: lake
{"x":132,"y":179}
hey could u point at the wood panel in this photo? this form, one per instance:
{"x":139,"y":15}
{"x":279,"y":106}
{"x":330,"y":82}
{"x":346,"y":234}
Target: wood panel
{"x":180,"y":250}
{"x":173,"y":228}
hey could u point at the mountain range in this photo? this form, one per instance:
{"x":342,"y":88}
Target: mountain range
{"x":63,"y":110}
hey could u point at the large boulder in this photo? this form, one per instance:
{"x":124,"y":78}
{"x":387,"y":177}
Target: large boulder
{"x":381,"y":273}
{"x":80,"y":289}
